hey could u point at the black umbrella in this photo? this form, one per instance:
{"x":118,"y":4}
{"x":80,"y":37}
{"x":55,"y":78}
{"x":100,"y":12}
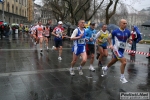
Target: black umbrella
{"x":147,"y":24}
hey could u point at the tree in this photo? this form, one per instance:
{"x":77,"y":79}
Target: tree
{"x":73,"y":10}
{"x":109,"y":12}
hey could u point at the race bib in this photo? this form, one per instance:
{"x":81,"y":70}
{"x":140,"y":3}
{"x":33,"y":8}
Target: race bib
{"x":93,"y":36}
{"x":104,"y":40}
{"x":46,"y":33}
{"x":40,"y":34}
{"x":122,"y":45}
{"x":81,"y":41}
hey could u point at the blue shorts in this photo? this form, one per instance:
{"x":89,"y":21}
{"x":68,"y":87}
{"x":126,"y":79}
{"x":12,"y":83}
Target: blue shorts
{"x":118,"y":54}
{"x":103,"y":46}
{"x":77,"y":50}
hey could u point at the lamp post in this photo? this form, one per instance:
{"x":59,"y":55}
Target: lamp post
{"x":2,"y":1}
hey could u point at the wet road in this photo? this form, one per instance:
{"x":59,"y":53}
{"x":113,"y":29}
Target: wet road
{"x":27,"y":75}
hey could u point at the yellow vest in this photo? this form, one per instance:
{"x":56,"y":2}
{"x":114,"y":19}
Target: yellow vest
{"x":103,"y":36}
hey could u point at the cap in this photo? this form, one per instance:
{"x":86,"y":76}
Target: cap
{"x":60,"y":22}
{"x":92,"y":23}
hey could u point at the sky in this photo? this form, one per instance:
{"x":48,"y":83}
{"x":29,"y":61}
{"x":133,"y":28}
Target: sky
{"x":137,"y":4}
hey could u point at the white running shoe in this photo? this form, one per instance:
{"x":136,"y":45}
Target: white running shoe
{"x":59,"y":58}
{"x":80,"y":71}
{"x":104,"y":69}
{"x":47,"y":48}
{"x":72,"y":72}
{"x":34,"y":43}
{"x":53,"y":47}
{"x":123,"y":80}
{"x":91,"y":68}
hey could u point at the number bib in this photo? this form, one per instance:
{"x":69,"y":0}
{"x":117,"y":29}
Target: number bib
{"x":40,"y":34}
{"x":81,"y":41}
{"x":104,"y":40}
{"x":94,"y":36}
{"x":122,"y":45}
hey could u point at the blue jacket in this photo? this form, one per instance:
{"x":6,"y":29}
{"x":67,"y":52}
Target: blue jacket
{"x":139,"y":38}
{"x":90,"y":33}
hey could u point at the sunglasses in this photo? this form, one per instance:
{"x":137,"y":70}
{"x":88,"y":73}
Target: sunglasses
{"x":124,"y":23}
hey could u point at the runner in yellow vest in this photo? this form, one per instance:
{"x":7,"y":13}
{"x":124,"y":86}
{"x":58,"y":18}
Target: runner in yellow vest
{"x":102,"y":39}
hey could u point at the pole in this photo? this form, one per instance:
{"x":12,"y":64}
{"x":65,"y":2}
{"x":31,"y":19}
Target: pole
{"x":3,"y":11}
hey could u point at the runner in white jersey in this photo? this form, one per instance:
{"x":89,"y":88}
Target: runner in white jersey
{"x":79,"y":41}
{"x":39,"y":32}
{"x":32,"y":31}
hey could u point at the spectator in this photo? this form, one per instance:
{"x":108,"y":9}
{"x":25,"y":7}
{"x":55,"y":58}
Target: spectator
{"x":135,"y":37}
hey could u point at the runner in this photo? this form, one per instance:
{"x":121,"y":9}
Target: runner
{"x":78,"y":37}
{"x":50,"y":27}
{"x":119,"y":36}
{"x":102,"y":39}
{"x":32,"y":32}
{"x":47,"y":35}
{"x":58,"y":33}
{"x":90,"y":46}
{"x":26,"y":29}
{"x":39,"y":31}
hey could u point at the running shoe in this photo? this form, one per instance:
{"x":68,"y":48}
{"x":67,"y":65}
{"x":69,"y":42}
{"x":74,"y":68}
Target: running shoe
{"x":72,"y":72}
{"x":59,"y":58}
{"x":104,"y":69}
{"x":91,"y":68}
{"x":53,"y":47}
{"x":80,"y":71}
{"x":123,"y":80}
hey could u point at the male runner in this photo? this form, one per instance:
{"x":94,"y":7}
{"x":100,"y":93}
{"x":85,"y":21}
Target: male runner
{"x":90,"y":45}
{"x":79,"y":41}
{"x":58,"y":33}
{"x":39,"y":31}
{"x":119,"y":36}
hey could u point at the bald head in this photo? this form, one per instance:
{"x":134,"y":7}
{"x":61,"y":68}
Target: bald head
{"x":123,"y":24}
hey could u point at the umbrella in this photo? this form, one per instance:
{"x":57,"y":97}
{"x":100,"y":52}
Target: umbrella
{"x":147,"y":23}
{"x":99,"y":26}
{"x":111,"y":27}
{"x":73,"y":26}
{"x":5,"y":23}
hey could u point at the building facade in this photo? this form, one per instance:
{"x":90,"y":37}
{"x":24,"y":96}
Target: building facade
{"x":47,"y":15}
{"x":37,"y":13}
{"x":15,"y":11}
{"x":30,"y":10}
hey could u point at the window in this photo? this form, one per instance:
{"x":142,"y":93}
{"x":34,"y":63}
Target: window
{"x":20,"y":11}
{"x":12,"y":8}
{"x":14,"y":20}
{"x":16,"y":0}
{"x":25,"y":2}
{"x":25,"y":13}
{"x":8,"y":7}
{"x":16,"y":10}
{"x":9,"y":19}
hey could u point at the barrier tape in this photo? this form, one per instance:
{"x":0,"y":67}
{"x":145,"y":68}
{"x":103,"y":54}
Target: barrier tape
{"x":134,"y":62}
{"x":136,"y":52}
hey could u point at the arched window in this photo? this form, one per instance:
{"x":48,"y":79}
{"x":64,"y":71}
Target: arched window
{"x":8,"y":6}
{"x":16,"y":10}
{"x":12,"y":8}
